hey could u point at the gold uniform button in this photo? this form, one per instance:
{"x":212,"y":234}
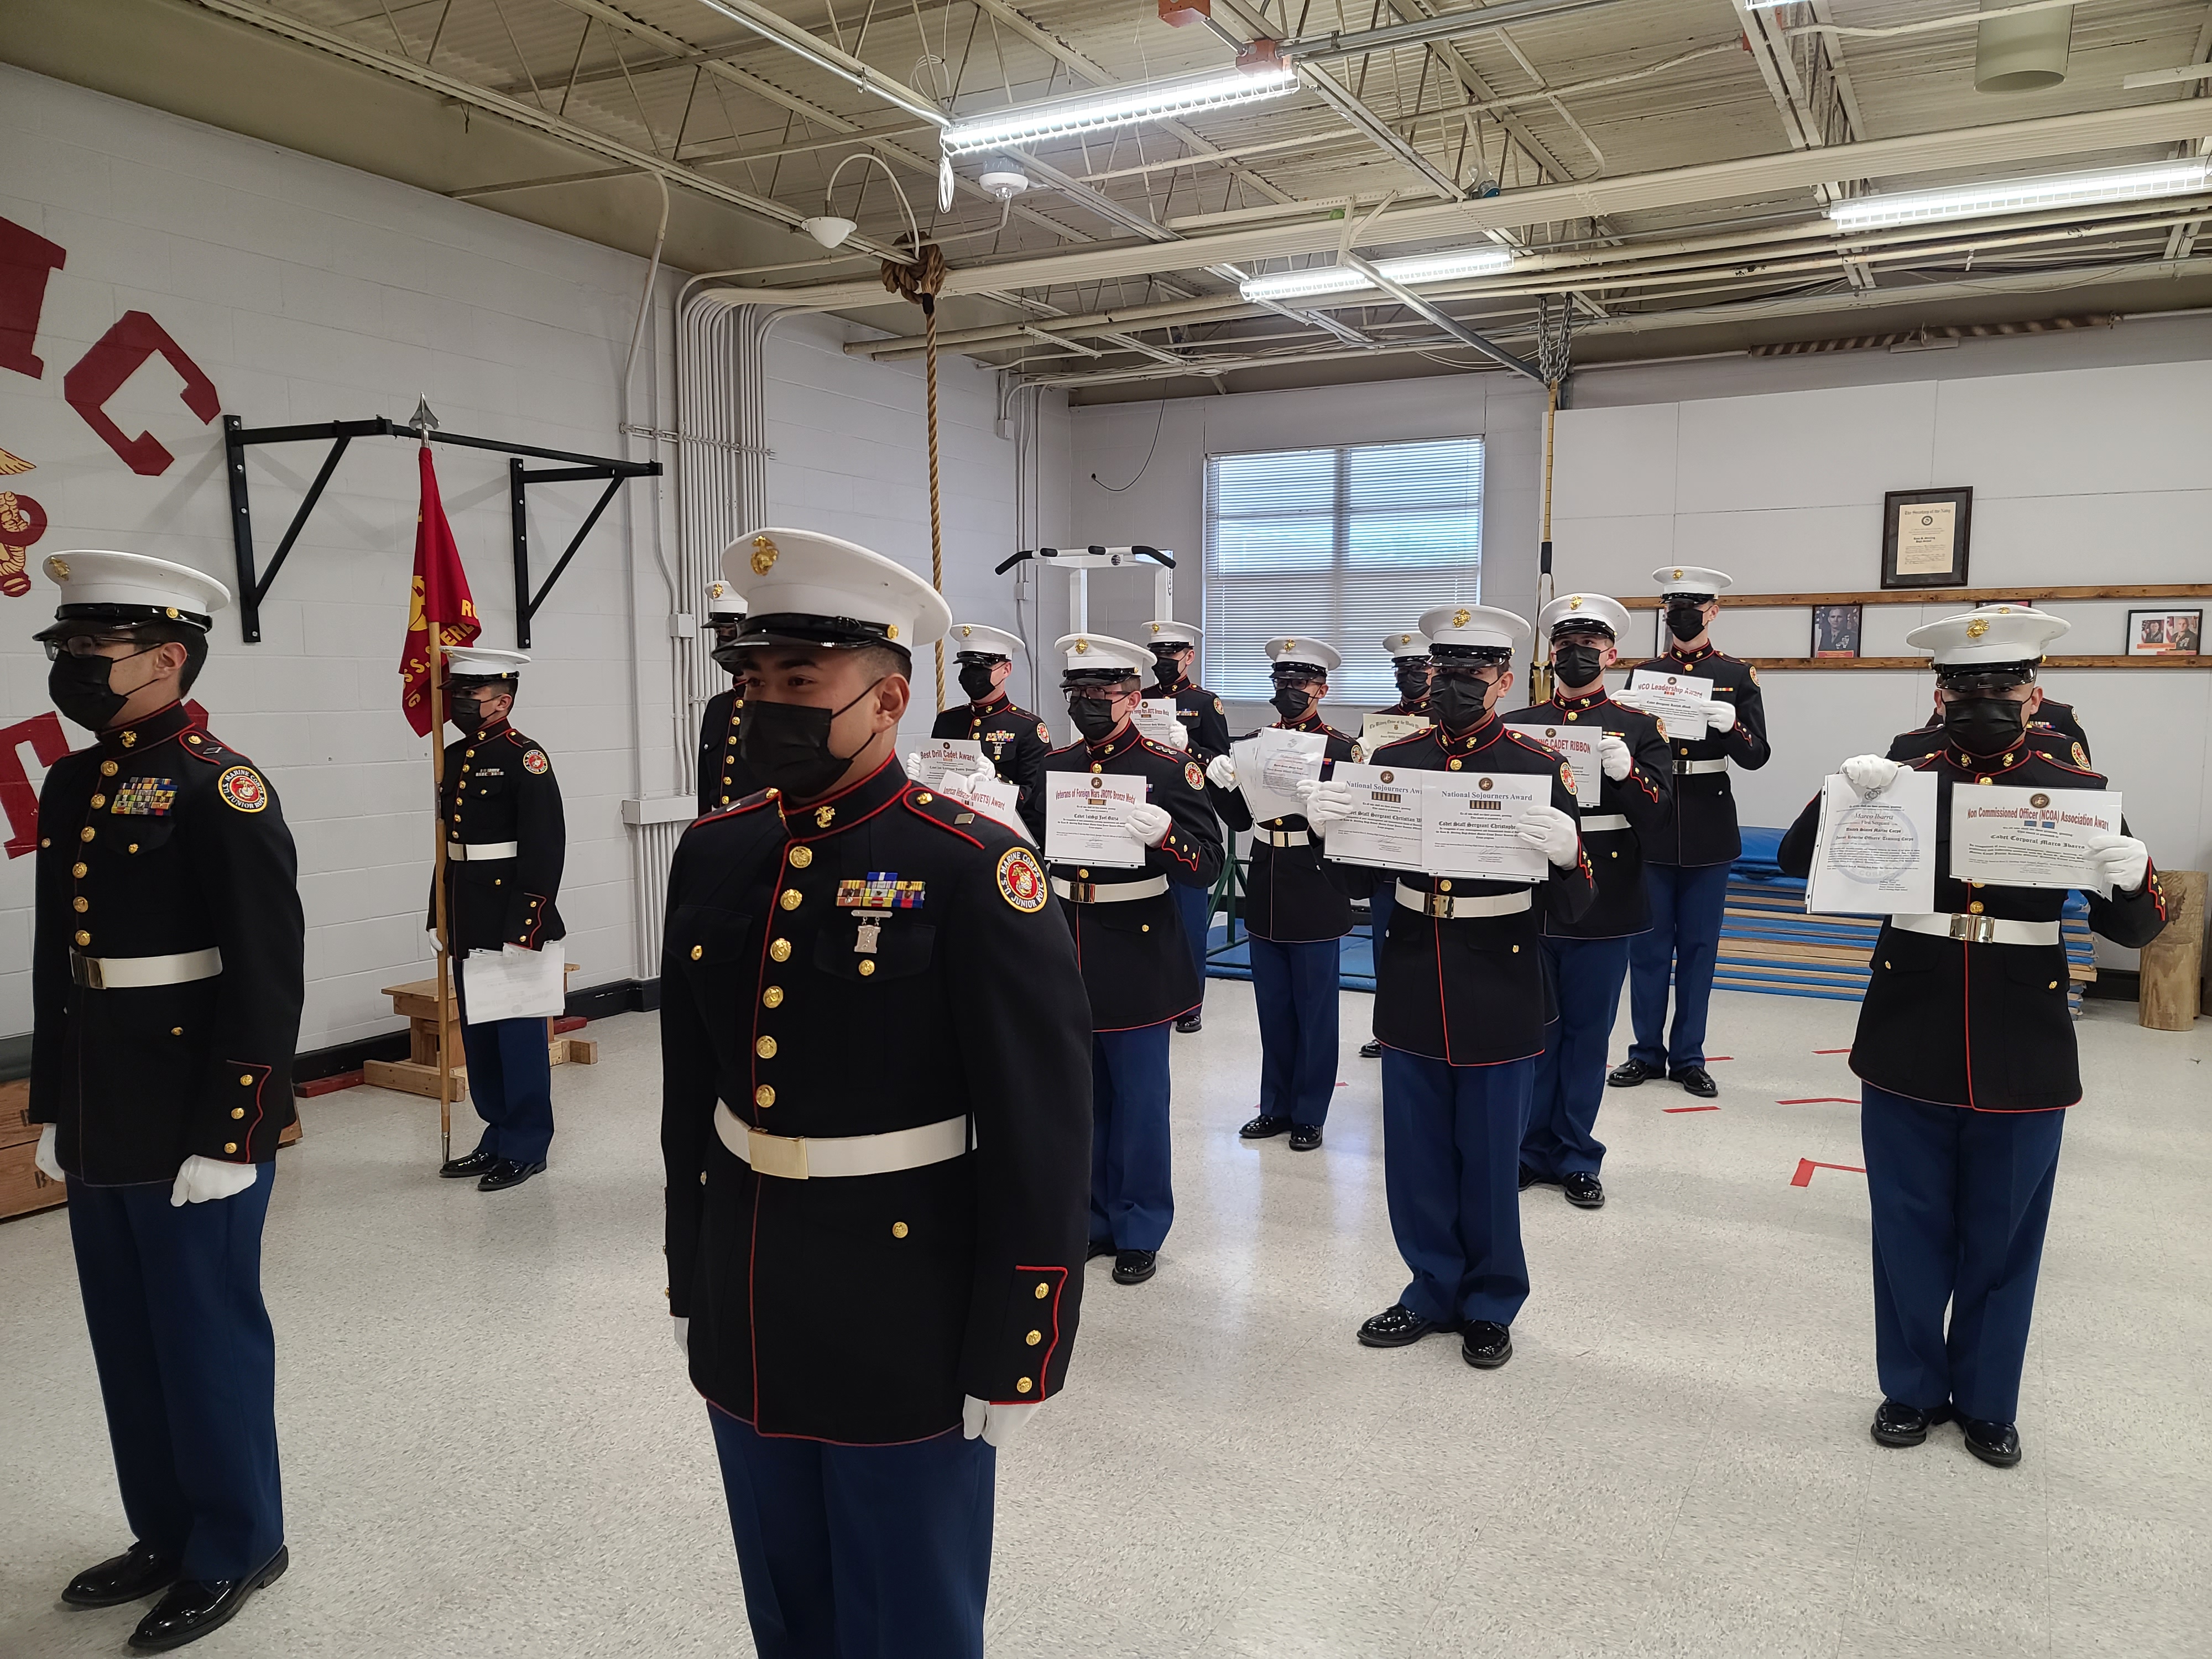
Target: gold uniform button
{"x":230,"y":1145}
{"x":246,"y":1081}
{"x":84,"y":938}
{"x":1023,"y":1385}
{"x":81,"y":905}
{"x":1044,"y":1290}
{"x":1096,"y":767}
{"x":702,"y":1181}
{"x":1453,"y":762}
{"x":176,"y":1031}
{"x":773,"y":997}
{"x":1034,"y":1338}
{"x":238,"y":1111}
{"x":697,"y":951}
{"x":133,"y":846}
{"x":792,"y":898}
{"x":1975,"y":909}
{"x":1982,"y":779}
{"x":85,"y":834}
{"x":868,"y":968}
{"x":1516,"y":950}
{"x":763,"y":1095}
{"x":99,"y":801}
{"x":898,"y":1229}
{"x":45,"y":841}
{"x":779,"y":950}
{"x":765,"y":1047}
{"x":1083,"y":875}
{"x":1570,"y":713}
{"x":800,"y":856}
{"x":1145,"y":926}
{"x":1885,"y":962}
{"x":2052,"y":986}
{"x":76,"y":869}
{"x":1445,"y":885}
{"x":107,"y":769}
{"x":725,"y":781}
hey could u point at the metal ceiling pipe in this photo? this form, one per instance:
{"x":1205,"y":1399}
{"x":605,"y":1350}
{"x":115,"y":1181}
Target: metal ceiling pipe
{"x":1457,"y":26}
{"x":2023,"y":53}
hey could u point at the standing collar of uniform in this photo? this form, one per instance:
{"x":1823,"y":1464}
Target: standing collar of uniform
{"x":1581,"y":705}
{"x":1120,"y":743}
{"x":1308,"y":721}
{"x":1408,"y":706}
{"x":159,"y":726}
{"x":854,"y":804}
{"x":1708,"y":649}
{"x":1170,"y":688}
{"x":1481,"y":736}
{"x":489,"y":730}
{"x":992,"y":704}
{"x":1989,"y":766}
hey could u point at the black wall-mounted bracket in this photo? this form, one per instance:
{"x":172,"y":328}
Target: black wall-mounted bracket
{"x":253,"y":585}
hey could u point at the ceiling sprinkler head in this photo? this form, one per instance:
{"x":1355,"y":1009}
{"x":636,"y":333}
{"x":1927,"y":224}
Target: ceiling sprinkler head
{"x":1006,"y":185}
{"x":828,"y":229}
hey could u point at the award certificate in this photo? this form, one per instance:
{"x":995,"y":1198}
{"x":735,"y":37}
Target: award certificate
{"x":2012,"y":837}
{"x":1469,"y":821}
{"x":1156,"y":718}
{"x":1376,"y":730}
{"x":1271,"y":763}
{"x":1384,"y":829}
{"x":1875,"y":857}
{"x":958,"y":755}
{"x":1084,"y":815}
{"x":1677,"y":699}
{"x":1577,"y":746}
{"x":991,"y":797}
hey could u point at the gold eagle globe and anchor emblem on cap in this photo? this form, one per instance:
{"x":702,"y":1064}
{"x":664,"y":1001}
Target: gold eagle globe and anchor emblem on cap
{"x":1977,"y":627}
{"x":1459,"y":618}
{"x":1082,"y":646}
{"x":765,"y":554}
{"x":1575,"y":603}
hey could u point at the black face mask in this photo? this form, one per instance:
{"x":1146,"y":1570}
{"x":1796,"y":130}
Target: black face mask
{"x":1291,"y":701}
{"x":975,"y":679}
{"x":1686,"y":622}
{"x":788,"y":745}
{"x":79,"y":688}
{"x":1578,"y":664}
{"x":467,"y":714}
{"x":1985,"y":725}
{"x":1412,"y":681}
{"x":1092,"y":718}
{"x":1456,"y":703}
{"x":1165,"y":672}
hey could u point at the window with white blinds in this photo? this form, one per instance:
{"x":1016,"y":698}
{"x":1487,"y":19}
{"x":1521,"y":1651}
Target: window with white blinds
{"x":1344,"y":544}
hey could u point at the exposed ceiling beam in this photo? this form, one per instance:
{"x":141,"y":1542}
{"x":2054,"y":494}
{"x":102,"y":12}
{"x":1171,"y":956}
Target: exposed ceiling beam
{"x":1452,"y":26}
{"x":771,"y":25}
{"x":1445,"y":320}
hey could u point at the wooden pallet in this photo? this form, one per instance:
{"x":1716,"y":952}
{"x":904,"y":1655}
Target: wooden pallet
{"x":417,"y":1075}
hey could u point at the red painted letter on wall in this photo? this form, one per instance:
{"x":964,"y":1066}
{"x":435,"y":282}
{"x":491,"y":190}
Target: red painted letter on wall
{"x":43,"y":733}
{"x":27,"y":259}
{"x":113,"y":359}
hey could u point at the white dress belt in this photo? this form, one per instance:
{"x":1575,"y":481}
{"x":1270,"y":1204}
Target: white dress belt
{"x":476,"y":852}
{"x":1605,"y":821}
{"x":1979,"y":930}
{"x":132,"y":973}
{"x":797,"y":1158}
{"x":1286,"y":838}
{"x":1445,"y":907}
{"x":1685,"y":767}
{"x":1115,"y":892}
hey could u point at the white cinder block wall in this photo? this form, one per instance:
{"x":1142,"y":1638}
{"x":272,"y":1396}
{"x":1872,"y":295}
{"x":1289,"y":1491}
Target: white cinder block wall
{"x":309,"y":292}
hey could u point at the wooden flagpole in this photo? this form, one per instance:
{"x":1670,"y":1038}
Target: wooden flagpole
{"x":437,"y":887}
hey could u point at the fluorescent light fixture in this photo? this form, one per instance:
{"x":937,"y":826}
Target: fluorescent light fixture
{"x":2024,"y":194}
{"x":1344,"y":279}
{"x":1122,"y":106}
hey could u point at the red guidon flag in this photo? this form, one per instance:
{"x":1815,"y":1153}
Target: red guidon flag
{"x":440,"y":600}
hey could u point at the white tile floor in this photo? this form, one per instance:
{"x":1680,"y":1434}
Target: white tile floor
{"x":490,"y":1446}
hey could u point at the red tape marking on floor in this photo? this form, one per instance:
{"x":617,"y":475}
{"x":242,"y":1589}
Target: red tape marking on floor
{"x":1689,"y":1108}
{"x":1818,"y":1100}
{"x":1715,"y":1059}
{"x":1832,"y":1051}
{"x":1806,"y":1166}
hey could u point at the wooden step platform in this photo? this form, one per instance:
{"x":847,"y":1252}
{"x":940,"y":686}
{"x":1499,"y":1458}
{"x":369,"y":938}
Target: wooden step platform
{"x":417,"y":1075}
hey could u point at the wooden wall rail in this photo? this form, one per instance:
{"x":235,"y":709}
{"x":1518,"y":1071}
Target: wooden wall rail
{"x":1926,"y":664}
{"x":1962,"y":596}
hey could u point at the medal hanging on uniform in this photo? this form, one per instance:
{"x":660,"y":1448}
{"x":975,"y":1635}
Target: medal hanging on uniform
{"x":864,"y":941}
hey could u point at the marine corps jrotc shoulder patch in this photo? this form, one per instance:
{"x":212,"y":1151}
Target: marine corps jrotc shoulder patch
{"x":1191,"y":775}
{"x":535,"y":762}
{"x":1021,"y":880}
{"x":243,"y":788}
{"x":1044,"y":736}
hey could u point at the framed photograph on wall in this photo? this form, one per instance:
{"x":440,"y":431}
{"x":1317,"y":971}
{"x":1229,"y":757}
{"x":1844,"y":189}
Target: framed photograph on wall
{"x":1835,"y":630}
{"x":1924,"y":536}
{"x":2164,"y":633}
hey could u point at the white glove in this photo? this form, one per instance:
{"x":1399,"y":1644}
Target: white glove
{"x":430,"y":939}
{"x":1553,"y":830}
{"x":1613,"y":756}
{"x":997,"y":1424}
{"x":1179,"y":736}
{"x":49,"y":1161}
{"x":1719,"y":717}
{"x":1325,"y":803}
{"x":1221,"y":772}
{"x":199,"y":1179}
{"x":913,"y":764}
{"x":1148,"y":823}
{"x":683,"y":1334}
{"x":1630,"y":697}
{"x":1869,"y":775}
{"x":2121,"y":861}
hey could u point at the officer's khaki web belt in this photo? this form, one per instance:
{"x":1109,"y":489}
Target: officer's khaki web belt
{"x":1445,"y":907}
{"x":1685,"y":767}
{"x":794,"y":1158}
{"x":476,"y":852}
{"x":1605,"y":821}
{"x":1119,"y":892}
{"x":1979,"y":930}
{"x":132,"y":973}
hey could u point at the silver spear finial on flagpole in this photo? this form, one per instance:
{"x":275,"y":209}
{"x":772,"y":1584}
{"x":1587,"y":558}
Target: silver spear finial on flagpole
{"x":422,"y":423}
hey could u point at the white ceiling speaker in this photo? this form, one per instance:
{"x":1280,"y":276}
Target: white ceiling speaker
{"x":828,"y":229}
{"x":1004,"y":185}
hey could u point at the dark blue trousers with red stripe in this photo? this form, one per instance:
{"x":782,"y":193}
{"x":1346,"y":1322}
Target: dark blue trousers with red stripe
{"x":511,"y":1086}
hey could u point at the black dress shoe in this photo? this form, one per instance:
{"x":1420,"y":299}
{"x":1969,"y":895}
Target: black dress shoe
{"x":1371,"y":1049}
{"x":194,"y":1607}
{"x":1896,"y":1423}
{"x":1135,"y":1266}
{"x":1305,"y":1136}
{"x":1486,"y":1345}
{"x":1584,"y":1192}
{"x":1994,"y":1443}
{"x":1695,"y":1080}
{"x":507,"y":1173}
{"x":474,"y":1163}
{"x":1098,"y":1247}
{"x":1263,"y":1127}
{"x":1190,"y":1022}
{"x":1529,"y":1178}
{"x":1396,"y":1327}
{"x":1628,"y":1074}
{"x":130,"y":1577}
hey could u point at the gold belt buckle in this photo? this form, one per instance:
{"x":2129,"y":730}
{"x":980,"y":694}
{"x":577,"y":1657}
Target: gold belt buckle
{"x":783,"y":1157}
{"x":85,"y":970}
{"x":1438,"y":906}
{"x":1083,"y":892}
{"x":1979,"y":930}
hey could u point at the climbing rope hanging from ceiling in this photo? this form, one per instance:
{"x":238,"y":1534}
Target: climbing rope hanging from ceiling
{"x":919,"y":281}
{"x":1555,"y":315}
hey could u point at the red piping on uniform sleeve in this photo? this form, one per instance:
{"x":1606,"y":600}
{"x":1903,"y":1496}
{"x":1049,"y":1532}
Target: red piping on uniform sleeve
{"x":261,"y":1079}
{"x":1044,"y":1360}
{"x":538,"y":922}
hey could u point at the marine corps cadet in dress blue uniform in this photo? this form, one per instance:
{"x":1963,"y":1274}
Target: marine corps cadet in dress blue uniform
{"x":1588,"y":958}
{"x":1137,"y":965}
{"x":166,"y":978}
{"x":875,"y":1119}
{"x":1461,"y":1001}
{"x":1410,"y":666}
{"x":505,"y":844}
{"x":1965,"y":1051}
{"x":2055,"y":729}
{"x":1205,"y":726}
{"x":723,"y":775}
{"x":1294,"y":916}
{"x":1014,"y":741}
{"x":1687,"y":867}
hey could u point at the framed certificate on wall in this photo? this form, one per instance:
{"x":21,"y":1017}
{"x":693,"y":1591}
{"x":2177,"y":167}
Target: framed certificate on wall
{"x":1925,"y":534}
